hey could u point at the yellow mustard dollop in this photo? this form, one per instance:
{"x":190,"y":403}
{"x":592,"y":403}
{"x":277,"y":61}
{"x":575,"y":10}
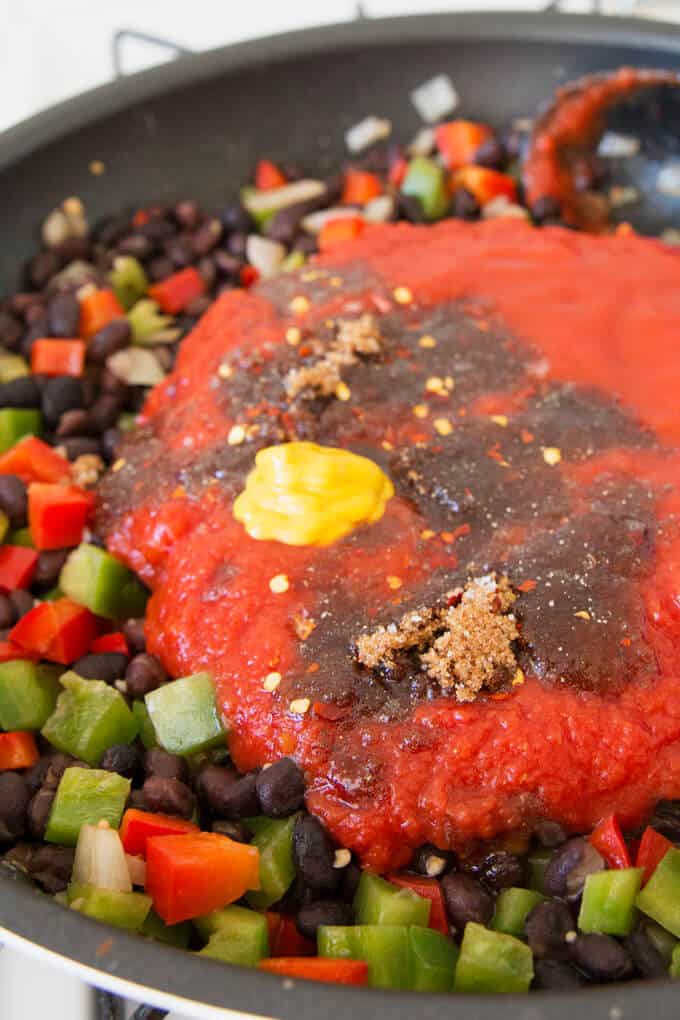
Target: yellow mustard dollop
{"x":304,"y":494}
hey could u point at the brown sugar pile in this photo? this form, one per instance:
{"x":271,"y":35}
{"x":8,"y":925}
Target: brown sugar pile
{"x":321,"y":378}
{"x":466,"y":647}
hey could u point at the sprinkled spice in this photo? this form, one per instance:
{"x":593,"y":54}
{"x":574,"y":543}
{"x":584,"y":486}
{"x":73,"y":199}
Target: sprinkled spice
{"x":353,"y":338}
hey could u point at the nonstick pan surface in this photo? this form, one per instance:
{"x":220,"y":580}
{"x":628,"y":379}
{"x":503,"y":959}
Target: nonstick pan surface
{"x":195,"y":128}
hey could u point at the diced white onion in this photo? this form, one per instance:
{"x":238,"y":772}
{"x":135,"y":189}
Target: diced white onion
{"x":137,"y":869}
{"x":100,"y":859}
{"x":258,"y":202}
{"x":501,"y":206}
{"x":379,"y":209}
{"x":423,"y":143}
{"x":668,"y":181}
{"x":264,"y":254}
{"x":367,"y":132}
{"x":435,"y":98}
{"x":316,"y":220}
{"x":615,"y":146}
{"x":136,"y":367}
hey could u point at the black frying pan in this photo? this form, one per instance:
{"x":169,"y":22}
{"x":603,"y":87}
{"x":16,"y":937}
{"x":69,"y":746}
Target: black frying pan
{"x":195,"y":128}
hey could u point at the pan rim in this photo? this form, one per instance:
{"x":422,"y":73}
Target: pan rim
{"x":129,"y":965}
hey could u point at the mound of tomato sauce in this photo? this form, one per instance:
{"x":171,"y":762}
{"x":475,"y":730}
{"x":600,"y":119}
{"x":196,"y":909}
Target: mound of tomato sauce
{"x":524,"y":404}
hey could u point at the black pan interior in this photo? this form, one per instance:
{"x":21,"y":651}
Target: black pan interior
{"x":195,"y":128}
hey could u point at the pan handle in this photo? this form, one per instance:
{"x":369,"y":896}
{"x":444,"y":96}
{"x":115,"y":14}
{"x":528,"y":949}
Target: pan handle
{"x":124,"y":35}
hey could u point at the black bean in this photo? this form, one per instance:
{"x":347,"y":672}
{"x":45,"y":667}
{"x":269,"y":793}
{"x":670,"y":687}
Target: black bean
{"x":159,"y":268}
{"x":464,"y":205}
{"x":7,"y":614}
{"x":111,"y":338}
{"x":79,"y":446}
{"x":646,"y":958}
{"x":135,"y":244}
{"x":137,"y":800}
{"x":284,"y":225}
{"x":35,"y":776}
{"x":179,"y":251}
{"x":14,"y":500}
{"x":514,"y":142}
{"x":133,"y":631}
{"x":227,"y":794}
{"x":22,"y":601}
{"x":227,"y":264}
{"x":236,"y":219}
{"x":312,"y":916}
{"x":281,"y":788}
{"x":501,"y":869}
{"x":314,"y":855}
{"x":169,"y":796}
{"x":411,"y":208}
{"x":545,"y":928}
{"x":106,"y":666}
{"x":164,"y":764}
{"x":491,"y":153}
{"x":143,"y":675}
{"x":601,"y":957}
{"x":48,"y":567}
{"x":36,"y":315}
{"x":74,"y":249}
{"x":566,"y":873}
{"x":35,"y":330}
{"x":51,"y":867}
{"x":233,"y":829}
{"x":207,"y":267}
{"x":546,"y":210}
{"x":14,"y":798}
{"x":74,"y":423}
{"x":60,"y":394}
{"x":666,"y":819}
{"x":188,"y":214}
{"x":39,"y":811}
{"x":21,"y":303}
{"x":237,"y":244}
{"x":124,"y":759}
{"x":104,"y":412}
{"x":349,"y":881}
{"x":110,"y":442}
{"x":20,"y":392}
{"x":157,"y":231}
{"x":466,"y":900}
{"x":198,"y":307}
{"x":10,"y":331}
{"x":555,"y":975}
{"x":549,"y":834}
{"x":305,"y":243}
{"x":206,"y":237}
{"x":63,"y":315}
{"x":112,"y":230}
{"x":428,"y":860}
{"x":42,"y":267}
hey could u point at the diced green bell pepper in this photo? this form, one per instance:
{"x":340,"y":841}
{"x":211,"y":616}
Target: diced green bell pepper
{"x":538,"y":860}
{"x":660,"y":898}
{"x":433,"y":960}
{"x":235,"y":935}
{"x":379,"y":902}
{"x":85,"y":796}
{"x":339,"y":942}
{"x":12,"y":366}
{"x":128,"y":279}
{"x":674,"y":966}
{"x":149,"y":326}
{"x":608,"y":903}
{"x":52,"y":595}
{"x":94,"y":578}
{"x":177,"y":935}
{"x":512,"y":907}
{"x":147,"y":733}
{"x":20,"y":536}
{"x":294,"y":260}
{"x":89,"y":717}
{"x":122,"y":909}
{"x":274,"y":840}
{"x":387,"y":951}
{"x":426,"y":181}
{"x":185,"y":716}
{"x":663,"y":941}
{"x":490,"y":961}
{"x":28,"y":694}
{"x":17,"y":422}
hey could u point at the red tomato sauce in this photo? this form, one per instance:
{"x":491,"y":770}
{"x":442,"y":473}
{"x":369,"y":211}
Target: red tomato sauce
{"x":574,"y":340}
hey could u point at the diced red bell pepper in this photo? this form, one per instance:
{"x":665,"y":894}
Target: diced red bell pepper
{"x":57,"y":514}
{"x":653,"y":848}
{"x":141,"y":218}
{"x":485,"y":184}
{"x":318,"y":968}
{"x":60,"y":631}
{"x":609,"y":842}
{"x":190,"y":875}
{"x":248,"y":276}
{"x":17,"y":750}
{"x":137,"y":826}
{"x":459,"y":140}
{"x":429,"y":889}
{"x":334,"y":232}
{"x":58,"y":357}
{"x":9,"y":652}
{"x":360,"y":187}
{"x":97,"y":309}
{"x":113,"y":642}
{"x":398,"y":171}
{"x":268,"y":176}
{"x":176,"y":292}
{"x":17,"y":566}
{"x":285,"y":939}
{"x":34,"y":461}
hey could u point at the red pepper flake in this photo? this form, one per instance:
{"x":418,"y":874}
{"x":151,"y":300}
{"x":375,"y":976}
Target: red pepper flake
{"x":626,"y":642}
{"x":313,"y":667}
{"x":381,"y":304}
{"x":501,"y":696}
{"x":526,"y":586}
{"x":495,"y":454}
{"x":526,"y":436}
{"x":287,"y":743}
{"x":104,"y":948}
{"x":141,"y":218}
